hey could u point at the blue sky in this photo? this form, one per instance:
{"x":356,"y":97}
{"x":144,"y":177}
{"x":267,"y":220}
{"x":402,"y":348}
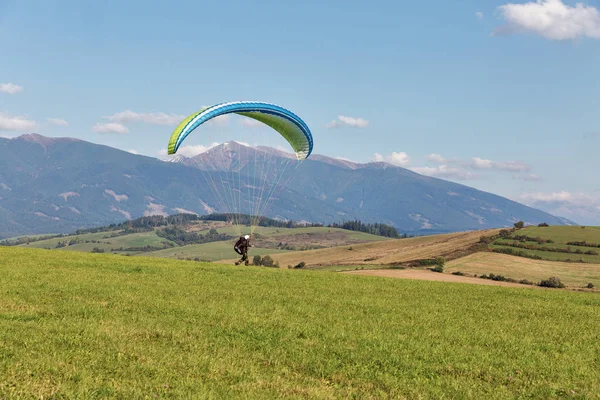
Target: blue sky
{"x":498,"y":95}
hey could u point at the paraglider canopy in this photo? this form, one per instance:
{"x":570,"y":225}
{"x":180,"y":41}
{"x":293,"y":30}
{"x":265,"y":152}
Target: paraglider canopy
{"x":247,"y":178}
{"x":288,"y":124}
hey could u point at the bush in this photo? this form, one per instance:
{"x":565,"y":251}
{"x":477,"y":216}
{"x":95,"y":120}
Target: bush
{"x":590,"y":285}
{"x":504,"y":233}
{"x":300,"y":265}
{"x":97,"y":250}
{"x":458,"y":273}
{"x":256,"y":260}
{"x":519,"y":225}
{"x":438,"y":268}
{"x":552,"y":282}
{"x":526,"y":282}
{"x":485,"y":239}
{"x":267,"y":261}
{"x":543,"y":224}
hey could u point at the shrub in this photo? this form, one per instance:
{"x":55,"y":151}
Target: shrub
{"x":504,"y":233}
{"x":552,"y":282}
{"x":438,"y":268}
{"x":458,"y":273}
{"x":519,"y":225}
{"x":267,"y":261}
{"x":590,"y":285}
{"x":256,"y":260}
{"x":526,"y":282}
{"x":543,"y":224}
{"x":300,"y":265}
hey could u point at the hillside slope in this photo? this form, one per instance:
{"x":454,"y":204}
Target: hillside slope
{"x":62,"y":184}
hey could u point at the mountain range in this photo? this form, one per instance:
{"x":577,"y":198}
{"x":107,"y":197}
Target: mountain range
{"x":57,"y":185}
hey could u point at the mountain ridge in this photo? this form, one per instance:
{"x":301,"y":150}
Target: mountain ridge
{"x":58,"y":185}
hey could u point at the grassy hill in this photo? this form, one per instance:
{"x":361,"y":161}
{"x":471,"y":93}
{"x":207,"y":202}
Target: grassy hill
{"x":554,"y":243}
{"x":76,"y":325}
{"x":396,"y":251}
{"x":269,"y":240}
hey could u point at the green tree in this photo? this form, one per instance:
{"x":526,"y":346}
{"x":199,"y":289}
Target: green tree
{"x":519,"y":225}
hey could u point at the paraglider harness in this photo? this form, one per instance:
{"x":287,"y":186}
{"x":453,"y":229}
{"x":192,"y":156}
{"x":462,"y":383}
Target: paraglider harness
{"x":241,"y":247}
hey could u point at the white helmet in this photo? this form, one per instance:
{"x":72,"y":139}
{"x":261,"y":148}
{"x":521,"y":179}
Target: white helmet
{"x":247,"y":237}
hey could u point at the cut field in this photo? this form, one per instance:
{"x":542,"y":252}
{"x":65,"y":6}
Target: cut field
{"x":387,"y":252}
{"x":75,"y":325}
{"x":571,"y":274}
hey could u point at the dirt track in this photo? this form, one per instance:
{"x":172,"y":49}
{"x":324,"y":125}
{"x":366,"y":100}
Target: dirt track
{"x":432,"y":276}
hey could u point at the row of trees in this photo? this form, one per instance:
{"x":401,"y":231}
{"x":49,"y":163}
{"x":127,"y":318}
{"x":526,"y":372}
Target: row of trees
{"x":374,"y":229}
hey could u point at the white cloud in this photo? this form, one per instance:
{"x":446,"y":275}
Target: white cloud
{"x":445,"y":171}
{"x":188,"y":151}
{"x":400,"y":159}
{"x":10,"y":123}
{"x":133,"y":151}
{"x":158,"y":118}
{"x":554,"y":197}
{"x":348,"y":121}
{"x":478,"y":163}
{"x":111,"y":127}
{"x":527,"y":177}
{"x":250,"y":123}
{"x":10,"y":88}
{"x":579,"y":207}
{"x":436,"y":158}
{"x":551,"y":19}
{"x":479,"y":15}
{"x":58,"y":121}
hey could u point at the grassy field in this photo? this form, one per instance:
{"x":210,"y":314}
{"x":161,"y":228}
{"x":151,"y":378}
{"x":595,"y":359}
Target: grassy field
{"x":560,"y":235}
{"x":208,"y":251}
{"x":571,"y":274}
{"x":386,"y":252}
{"x":76,"y":325}
{"x":270,"y":231}
{"x":51,"y":243}
{"x":564,"y":234}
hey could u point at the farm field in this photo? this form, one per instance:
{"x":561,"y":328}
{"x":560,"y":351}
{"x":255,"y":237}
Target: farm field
{"x":571,"y":274}
{"x":387,"y":252}
{"x":560,"y":237}
{"x":107,"y":326}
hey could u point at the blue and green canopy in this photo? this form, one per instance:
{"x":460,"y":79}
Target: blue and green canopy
{"x":288,"y":124}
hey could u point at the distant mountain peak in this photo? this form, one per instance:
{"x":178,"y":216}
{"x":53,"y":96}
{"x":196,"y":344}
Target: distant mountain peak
{"x":41,"y":139}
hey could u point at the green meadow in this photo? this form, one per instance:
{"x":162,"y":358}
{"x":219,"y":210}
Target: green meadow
{"x":77,"y":325}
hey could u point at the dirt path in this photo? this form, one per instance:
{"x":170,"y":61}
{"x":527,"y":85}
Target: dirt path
{"x":433,"y":276}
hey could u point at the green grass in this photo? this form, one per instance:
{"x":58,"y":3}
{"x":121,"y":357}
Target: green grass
{"x":270,"y":231}
{"x":553,"y":256}
{"x":209,"y":251}
{"x":560,"y":235}
{"x":132,"y":240}
{"x":563,"y":234}
{"x":76,"y":325}
{"x":51,"y":243}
